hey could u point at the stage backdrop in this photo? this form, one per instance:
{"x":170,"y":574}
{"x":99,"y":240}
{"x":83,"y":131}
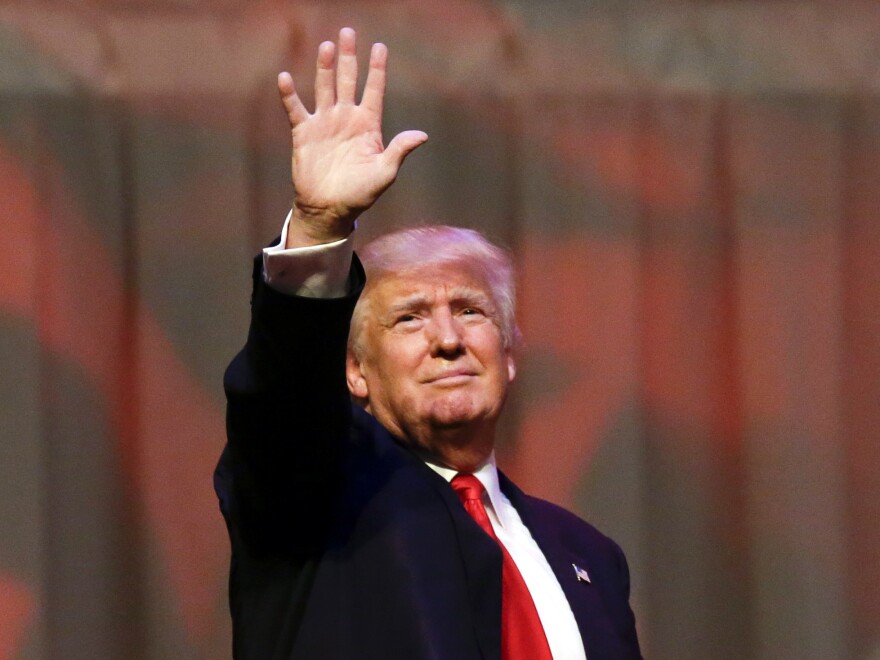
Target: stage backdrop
{"x":691,"y":190}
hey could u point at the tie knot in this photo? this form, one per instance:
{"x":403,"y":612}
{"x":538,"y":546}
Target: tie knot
{"x":468,"y":487}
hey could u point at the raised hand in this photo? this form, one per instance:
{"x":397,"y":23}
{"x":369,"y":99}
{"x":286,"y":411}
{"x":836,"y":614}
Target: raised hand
{"x":340,"y":165}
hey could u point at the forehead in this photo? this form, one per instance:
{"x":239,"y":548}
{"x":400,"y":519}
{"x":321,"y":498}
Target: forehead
{"x":431,"y":283}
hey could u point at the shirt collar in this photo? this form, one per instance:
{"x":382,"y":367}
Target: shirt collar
{"x":487,"y":473}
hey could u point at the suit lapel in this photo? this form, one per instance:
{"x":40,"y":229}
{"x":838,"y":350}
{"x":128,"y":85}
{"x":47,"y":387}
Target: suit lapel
{"x":583,"y":597}
{"x":482,"y":564}
{"x":481,"y":559}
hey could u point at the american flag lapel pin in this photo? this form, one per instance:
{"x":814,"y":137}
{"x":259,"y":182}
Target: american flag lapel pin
{"x":581,"y":574}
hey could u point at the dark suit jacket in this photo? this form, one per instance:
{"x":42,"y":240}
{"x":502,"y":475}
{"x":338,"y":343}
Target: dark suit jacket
{"x":345,"y":544}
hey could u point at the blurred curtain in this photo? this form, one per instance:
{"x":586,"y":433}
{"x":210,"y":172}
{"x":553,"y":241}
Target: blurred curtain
{"x":690,"y":190}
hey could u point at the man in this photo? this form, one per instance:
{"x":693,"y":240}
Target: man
{"x":383,"y":529}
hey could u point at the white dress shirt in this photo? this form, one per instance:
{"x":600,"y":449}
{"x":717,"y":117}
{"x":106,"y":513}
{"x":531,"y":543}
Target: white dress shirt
{"x":554,"y":611}
{"x":322,"y":272}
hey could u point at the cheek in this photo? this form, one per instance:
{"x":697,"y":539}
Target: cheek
{"x":490,"y":348}
{"x":399,"y":357}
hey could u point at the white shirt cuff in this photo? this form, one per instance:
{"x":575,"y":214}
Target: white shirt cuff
{"x":317,"y":271}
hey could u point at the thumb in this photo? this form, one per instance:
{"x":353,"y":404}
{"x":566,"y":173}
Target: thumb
{"x":401,"y":146}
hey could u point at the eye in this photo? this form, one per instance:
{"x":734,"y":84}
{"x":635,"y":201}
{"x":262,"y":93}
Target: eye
{"x":406,"y":318}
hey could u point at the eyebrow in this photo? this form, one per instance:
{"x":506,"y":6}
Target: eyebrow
{"x":407,"y":303}
{"x":457,"y":295}
{"x":467,"y":294}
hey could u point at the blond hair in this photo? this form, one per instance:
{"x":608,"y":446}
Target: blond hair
{"x":406,"y":250}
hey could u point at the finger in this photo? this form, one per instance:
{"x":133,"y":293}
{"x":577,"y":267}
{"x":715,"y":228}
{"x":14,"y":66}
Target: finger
{"x":346,"y":67}
{"x":296,"y":111}
{"x":401,"y":146}
{"x":374,"y":88}
{"x":325,"y":87}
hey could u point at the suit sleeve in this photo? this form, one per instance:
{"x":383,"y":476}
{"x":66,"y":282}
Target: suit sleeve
{"x":288,"y":418}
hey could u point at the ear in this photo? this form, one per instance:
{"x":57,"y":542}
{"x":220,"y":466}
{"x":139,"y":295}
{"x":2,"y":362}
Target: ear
{"x":511,"y":367}
{"x":354,"y":376}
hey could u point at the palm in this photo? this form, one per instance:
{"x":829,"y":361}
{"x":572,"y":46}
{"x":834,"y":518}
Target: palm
{"x":337,"y":160}
{"x":340,"y":165}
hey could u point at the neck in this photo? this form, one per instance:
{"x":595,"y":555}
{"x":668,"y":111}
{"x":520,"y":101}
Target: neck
{"x":463,"y":449}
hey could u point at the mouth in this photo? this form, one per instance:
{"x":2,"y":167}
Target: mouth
{"x":452,"y":378}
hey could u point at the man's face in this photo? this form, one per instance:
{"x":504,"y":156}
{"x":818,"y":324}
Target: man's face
{"x":432,"y":356}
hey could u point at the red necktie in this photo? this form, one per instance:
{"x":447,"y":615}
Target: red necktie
{"x":522,"y":635}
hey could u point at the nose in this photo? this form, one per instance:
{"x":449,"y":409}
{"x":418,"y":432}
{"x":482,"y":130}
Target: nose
{"x":445,"y":335}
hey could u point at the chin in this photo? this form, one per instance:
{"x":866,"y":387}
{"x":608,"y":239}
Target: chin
{"x":450,"y":423}
{"x":452,"y":412}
